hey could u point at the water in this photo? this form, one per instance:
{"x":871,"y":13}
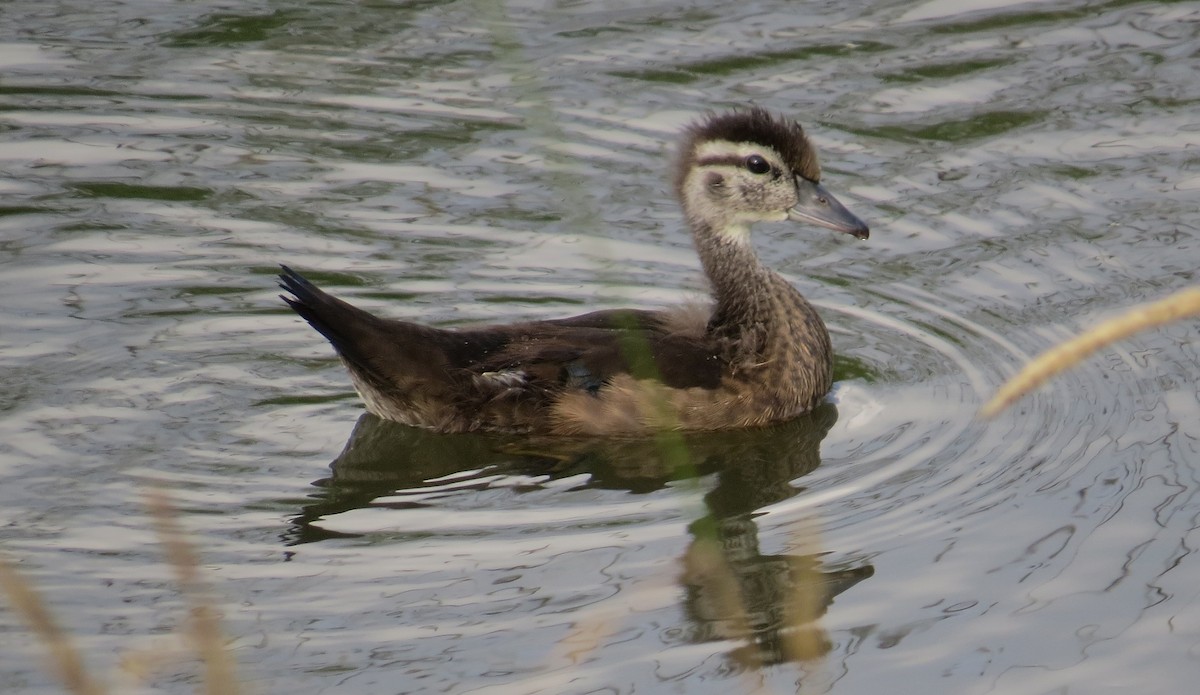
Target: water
{"x":1027,"y":170}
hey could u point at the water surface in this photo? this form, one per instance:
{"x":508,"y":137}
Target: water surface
{"x":1027,"y":169}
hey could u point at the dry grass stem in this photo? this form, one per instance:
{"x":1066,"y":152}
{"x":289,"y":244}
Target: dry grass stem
{"x":205,"y":632}
{"x":706,"y":564}
{"x":803,"y":638}
{"x":64,"y":658}
{"x":586,"y":636}
{"x":1173,"y":308}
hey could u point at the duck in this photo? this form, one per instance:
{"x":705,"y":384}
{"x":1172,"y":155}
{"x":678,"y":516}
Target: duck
{"x":757,"y":354}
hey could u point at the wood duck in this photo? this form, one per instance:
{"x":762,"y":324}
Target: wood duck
{"x":758,"y":354}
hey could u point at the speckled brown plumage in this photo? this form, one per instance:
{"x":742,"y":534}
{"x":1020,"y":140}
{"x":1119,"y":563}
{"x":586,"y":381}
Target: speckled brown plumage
{"x":759,"y":354}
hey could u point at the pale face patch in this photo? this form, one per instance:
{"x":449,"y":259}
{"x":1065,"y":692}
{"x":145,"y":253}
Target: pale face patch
{"x":722,"y":189}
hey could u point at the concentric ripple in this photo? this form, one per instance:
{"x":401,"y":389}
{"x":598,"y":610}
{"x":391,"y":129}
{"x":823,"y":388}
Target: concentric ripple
{"x":1027,"y":169}
{"x":909,"y":448}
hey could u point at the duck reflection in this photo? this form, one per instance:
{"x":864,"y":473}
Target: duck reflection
{"x":733,"y":591}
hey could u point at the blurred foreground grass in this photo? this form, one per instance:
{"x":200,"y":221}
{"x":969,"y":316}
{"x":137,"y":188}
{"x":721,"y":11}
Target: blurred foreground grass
{"x":1178,"y":306}
{"x":204,"y":634}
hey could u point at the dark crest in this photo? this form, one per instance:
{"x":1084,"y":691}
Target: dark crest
{"x":756,"y":125}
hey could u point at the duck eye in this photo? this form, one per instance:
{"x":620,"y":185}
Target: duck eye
{"x":757,"y":165}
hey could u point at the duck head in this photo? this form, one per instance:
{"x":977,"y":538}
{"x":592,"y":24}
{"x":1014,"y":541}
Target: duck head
{"x":748,"y":166}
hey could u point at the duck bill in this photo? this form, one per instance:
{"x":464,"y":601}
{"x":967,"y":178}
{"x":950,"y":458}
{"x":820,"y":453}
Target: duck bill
{"x":817,"y":206}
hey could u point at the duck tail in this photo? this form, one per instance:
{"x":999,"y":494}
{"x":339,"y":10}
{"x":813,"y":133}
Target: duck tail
{"x":392,"y":363}
{"x":324,"y":312}
{"x":376,"y":350}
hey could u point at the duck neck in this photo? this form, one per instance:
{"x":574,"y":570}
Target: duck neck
{"x":745,"y":290}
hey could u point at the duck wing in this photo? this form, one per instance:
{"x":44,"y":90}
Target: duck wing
{"x":499,"y":377}
{"x":560,"y":355}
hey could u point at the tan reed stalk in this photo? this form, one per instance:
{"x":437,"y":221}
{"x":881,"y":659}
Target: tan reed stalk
{"x":204,"y":627}
{"x":1177,"y":306}
{"x":64,"y":658}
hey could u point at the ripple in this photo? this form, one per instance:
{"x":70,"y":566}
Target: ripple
{"x":908,"y":451}
{"x":438,"y":161}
